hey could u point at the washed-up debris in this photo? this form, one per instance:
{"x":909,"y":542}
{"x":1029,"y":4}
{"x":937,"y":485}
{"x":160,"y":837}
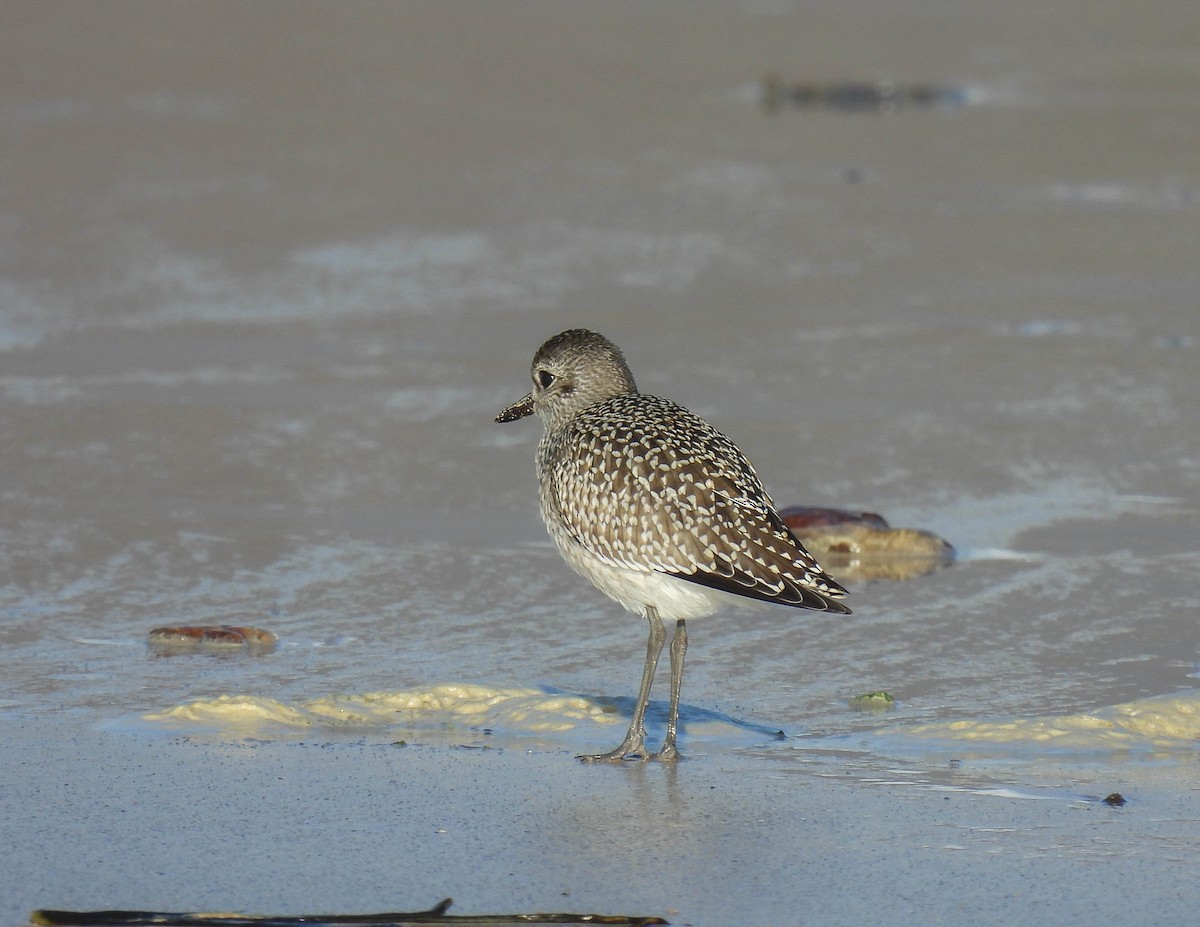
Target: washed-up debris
{"x":873,"y":701}
{"x":210,"y":638}
{"x":849,"y":96}
{"x":862,"y":545}
{"x":435,"y":915}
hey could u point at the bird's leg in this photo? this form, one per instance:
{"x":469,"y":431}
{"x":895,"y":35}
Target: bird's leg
{"x":634,"y":744}
{"x":668,"y":752}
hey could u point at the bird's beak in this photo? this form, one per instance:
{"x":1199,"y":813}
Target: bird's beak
{"x":518,"y":409}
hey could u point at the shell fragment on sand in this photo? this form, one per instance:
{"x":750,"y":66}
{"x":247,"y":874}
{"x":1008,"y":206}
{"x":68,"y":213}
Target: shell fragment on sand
{"x":862,"y":545}
{"x":210,"y":639}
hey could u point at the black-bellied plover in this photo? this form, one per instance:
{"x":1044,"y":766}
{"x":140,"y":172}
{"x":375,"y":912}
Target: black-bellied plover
{"x":658,"y":509}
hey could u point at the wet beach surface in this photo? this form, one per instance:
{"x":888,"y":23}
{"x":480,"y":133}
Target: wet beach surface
{"x":267,"y":273}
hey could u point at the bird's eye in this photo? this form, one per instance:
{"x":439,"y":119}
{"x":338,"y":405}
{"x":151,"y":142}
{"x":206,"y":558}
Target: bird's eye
{"x":545,"y":378}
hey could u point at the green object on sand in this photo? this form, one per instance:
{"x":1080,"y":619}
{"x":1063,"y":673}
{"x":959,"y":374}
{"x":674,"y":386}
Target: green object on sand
{"x":873,"y":701}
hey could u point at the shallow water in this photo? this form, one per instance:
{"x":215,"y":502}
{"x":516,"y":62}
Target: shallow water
{"x":265,"y":279}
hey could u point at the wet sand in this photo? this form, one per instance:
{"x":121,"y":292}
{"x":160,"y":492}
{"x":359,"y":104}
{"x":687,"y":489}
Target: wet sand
{"x":268,"y":271}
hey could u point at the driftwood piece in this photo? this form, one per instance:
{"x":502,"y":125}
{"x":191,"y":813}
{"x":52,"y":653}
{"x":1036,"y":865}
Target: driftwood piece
{"x":436,"y":915}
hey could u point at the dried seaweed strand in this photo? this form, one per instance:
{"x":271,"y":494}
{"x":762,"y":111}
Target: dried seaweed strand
{"x":435,"y":915}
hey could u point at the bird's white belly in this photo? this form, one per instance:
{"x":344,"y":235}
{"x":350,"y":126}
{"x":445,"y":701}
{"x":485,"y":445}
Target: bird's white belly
{"x":672,"y":598}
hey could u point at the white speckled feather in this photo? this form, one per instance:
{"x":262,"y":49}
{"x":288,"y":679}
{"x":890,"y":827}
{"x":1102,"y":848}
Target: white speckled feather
{"x":664,"y":491}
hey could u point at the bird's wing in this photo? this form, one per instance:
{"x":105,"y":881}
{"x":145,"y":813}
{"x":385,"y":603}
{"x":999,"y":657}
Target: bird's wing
{"x":666,"y":491}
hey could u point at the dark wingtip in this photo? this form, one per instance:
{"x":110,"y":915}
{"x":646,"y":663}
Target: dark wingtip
{"x":794,"y":595}
{"x":833,"y":605}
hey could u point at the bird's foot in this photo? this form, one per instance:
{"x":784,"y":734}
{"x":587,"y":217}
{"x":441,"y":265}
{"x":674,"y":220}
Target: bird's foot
{"x":634,"y":752}
{"x":632,"y":748}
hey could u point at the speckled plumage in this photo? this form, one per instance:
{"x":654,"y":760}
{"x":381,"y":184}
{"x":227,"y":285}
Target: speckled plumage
{"x":641,"y":483}
{"x":653,"y":505}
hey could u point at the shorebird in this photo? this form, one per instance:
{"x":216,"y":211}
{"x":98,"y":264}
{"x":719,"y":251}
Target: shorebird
{"x":657,"y":509}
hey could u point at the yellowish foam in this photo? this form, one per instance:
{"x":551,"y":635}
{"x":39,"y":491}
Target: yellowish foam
{"x":1161,"y":721}
{"x":461,"y":704}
